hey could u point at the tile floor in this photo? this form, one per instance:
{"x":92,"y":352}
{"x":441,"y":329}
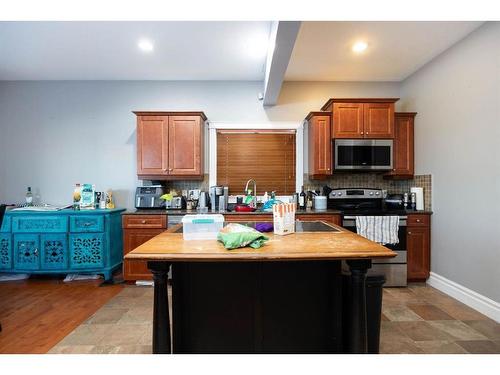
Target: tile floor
{"x":417,"y":319}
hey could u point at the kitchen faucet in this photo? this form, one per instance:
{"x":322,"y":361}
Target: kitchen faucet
{"x":254,"y":200}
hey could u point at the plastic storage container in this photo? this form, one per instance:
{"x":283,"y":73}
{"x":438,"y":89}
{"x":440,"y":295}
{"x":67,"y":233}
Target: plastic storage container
{"x":201,"y":227}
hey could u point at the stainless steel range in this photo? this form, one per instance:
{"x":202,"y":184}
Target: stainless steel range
{"x":370,"y":202}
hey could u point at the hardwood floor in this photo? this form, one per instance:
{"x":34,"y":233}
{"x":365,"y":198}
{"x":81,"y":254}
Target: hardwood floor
{"x":38,"y":313}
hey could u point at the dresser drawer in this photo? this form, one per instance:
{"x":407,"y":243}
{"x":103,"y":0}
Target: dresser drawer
{"x":144,"y":221}
{"x":39,"y":224}
{"x":418,"y":220}
{"x":86,"y":223}
{"x":5,"y":224}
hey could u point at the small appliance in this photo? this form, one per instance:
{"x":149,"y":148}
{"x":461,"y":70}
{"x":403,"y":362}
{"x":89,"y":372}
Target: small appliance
{"x":149,"y":196}
{"x":363,"y":154}
{"x":216,"y":192}
{"x":203,"y":200}
{"x":176,"y":203}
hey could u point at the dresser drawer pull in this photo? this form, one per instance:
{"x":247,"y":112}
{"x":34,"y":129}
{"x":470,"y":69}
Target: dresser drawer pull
{"x":87,"y":224}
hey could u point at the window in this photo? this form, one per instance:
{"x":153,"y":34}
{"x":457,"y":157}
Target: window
{"x":266,"y":156}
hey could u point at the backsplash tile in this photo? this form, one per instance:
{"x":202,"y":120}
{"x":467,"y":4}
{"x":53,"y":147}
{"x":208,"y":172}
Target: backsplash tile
{"x":374,"y":180}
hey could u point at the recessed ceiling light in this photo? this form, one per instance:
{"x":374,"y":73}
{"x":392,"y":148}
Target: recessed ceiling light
{"x":359,"y":47}
{"x":145,"y":45}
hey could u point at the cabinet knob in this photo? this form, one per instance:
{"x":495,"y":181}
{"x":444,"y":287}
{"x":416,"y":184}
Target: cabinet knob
{"x":327,"y":169}
{"x":366,"y":133}
{"x":418,"y":220}
{"x":362,"y":133}
{"x":35,"y":251}
{"x":171,"y":169}
{"x":409,"y":232}
{"x":143,"y":222}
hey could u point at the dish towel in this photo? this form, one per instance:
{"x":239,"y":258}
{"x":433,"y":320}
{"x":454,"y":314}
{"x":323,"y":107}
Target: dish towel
{"x":381,"y":229}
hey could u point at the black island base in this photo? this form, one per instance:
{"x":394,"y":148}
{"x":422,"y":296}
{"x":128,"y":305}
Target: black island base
{"x":261,"y":307}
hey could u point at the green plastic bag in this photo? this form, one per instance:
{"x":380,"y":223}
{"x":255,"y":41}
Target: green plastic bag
{"x":234,"y":236}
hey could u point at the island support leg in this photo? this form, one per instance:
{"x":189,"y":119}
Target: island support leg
{"x":358,"y":342}
{"x":161,"y":318}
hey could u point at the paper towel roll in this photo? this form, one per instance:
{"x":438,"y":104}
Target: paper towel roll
{"x":419,"y":193}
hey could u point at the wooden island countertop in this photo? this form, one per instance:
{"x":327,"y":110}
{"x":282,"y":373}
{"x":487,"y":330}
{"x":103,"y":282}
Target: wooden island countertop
{"x":339,"y":245}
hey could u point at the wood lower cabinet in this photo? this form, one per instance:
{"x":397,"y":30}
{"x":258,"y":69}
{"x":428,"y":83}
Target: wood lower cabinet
{"x":170,"y":145}
{"x":329,"y":218}
{"x":418,"y":243}
{"x":369,"y":118}
{"x":138,"y":229}
{"x":403,"y":151}
{"x":320,"y":145}
{"x":332,"y":218}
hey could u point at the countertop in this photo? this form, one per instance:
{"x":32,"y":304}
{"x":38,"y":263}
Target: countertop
{"x":338,"y":245}
{"x":299,"y":212}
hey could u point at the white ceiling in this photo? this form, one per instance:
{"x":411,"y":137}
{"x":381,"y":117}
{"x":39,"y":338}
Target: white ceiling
{"x":108,"y":50}
{"x":395,"y":50}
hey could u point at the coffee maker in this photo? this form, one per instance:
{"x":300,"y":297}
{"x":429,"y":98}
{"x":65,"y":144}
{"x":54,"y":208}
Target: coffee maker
{"x":218,"y":198}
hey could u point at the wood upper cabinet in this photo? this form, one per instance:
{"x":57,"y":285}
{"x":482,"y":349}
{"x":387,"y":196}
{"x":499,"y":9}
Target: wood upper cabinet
{"x":378,"y":119}
{"x":185,"y":145}
{"x":170,"y":145}
{"x":362,"y":118}
{"x":403,"y":150}
{"x":152,"y":145}
{"x":320,"y":144}
{"x":348,"y":120}
{"x":418,"y":243}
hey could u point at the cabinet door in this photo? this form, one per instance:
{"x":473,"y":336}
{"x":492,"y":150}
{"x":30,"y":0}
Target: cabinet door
{"x":378,"y":120}
{"x":5,"y":251}
{"x":348,"y":120}
{"x":132,"y":238}
{"x":26,"y":252}
{"x":403,"y":146}
{"x":185,"y":146}
{"x":152,"y":145}
{"x":320,"y":146}
{"x":54,"y":251}
{"x":86,"y":250}
{"x":418,"y":246}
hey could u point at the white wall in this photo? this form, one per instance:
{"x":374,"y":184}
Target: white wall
{"x":457,"y":131}
{"x":54,"y":134}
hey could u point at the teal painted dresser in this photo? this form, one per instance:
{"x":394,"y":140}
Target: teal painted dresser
{"x":63,"y":241}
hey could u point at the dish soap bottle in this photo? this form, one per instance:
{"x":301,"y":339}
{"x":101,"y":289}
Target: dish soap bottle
{"x":29,"y":197}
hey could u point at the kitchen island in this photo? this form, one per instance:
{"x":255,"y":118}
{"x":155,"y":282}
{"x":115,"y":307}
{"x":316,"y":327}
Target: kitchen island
{"x":285,"y":297}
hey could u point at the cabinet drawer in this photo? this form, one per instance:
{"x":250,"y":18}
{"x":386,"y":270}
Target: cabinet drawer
{"x":37,"y":224}
{"x":5,"y":224}
{"x":418,"y":220}
{"x":144,"y":221}
{"x":88,"y":223}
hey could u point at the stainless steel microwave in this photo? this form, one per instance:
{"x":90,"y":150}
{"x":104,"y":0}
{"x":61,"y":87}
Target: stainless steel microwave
{"x":363,"y":154}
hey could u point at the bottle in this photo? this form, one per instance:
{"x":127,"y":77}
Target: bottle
{"x":29,"y":197}
{"x":302,"y":199}
{"x":77,"y":196}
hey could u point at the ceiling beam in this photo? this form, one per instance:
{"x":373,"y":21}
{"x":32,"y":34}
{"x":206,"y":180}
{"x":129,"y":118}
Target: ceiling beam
{"x":282,"y":40}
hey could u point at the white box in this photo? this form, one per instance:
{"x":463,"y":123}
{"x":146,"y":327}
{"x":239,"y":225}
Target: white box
{"x":284,"y":218}
{"x":201,"y":227}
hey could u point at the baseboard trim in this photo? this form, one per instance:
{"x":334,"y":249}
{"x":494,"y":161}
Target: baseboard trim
{"x":465,"y":295}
